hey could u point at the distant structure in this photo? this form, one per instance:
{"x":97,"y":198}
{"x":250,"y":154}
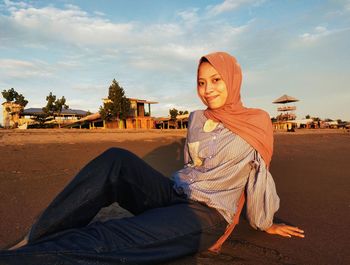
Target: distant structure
{"x":29,"y":117}
{"x":15,"y":116}
{"x":11,"y":114}
{"x":138,"y":118}
{"x":181,"y":122}
{"x":285,"y":119}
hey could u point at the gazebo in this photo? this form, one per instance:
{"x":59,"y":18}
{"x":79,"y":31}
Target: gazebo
{"x":286,"y":113}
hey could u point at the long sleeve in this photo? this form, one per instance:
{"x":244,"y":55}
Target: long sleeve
{"x":262,"y":198}
{"x":187,"y":158}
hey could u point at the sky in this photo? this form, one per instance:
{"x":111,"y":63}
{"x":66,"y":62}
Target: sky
{"x":76,"y":48}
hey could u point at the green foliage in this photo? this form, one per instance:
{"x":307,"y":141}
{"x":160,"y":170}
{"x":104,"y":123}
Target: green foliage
{"x":54,"y":105}
{"x":9,"y":95}
{"x":21,"y":100}
{"x":12,"y":95}
{"x":173,"y":114}
{"x":118,"y":106}
{"x":40,"y":119}
{"x":183,"y":112}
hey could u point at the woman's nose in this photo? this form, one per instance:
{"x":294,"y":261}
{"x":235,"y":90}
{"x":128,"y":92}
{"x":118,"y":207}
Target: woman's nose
{"x":208,"y":88}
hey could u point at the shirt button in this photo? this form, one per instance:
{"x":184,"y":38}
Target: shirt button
{"x":214,"y":137}
{"x":191,"y":180}
{"x":210,"y":156}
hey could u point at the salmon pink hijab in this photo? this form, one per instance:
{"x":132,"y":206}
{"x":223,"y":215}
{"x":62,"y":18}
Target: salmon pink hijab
{"x":253,"y":125}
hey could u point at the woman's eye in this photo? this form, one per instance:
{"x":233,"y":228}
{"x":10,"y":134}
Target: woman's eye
{"x":200,"y":83}
{"x":216,"y":80}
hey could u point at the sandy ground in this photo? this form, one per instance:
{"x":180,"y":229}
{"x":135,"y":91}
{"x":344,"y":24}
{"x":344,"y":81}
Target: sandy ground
{"x":311,"y":170}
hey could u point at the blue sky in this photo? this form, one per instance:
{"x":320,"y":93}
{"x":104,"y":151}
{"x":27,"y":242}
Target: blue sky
{"x":76,"y":48}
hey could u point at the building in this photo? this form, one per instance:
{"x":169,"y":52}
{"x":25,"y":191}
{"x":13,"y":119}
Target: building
{"x":138,"y":118}
{"x":11,"y":114}
{"x":14,"y":116}
{"x":285,"y":119}
{"x":181,"y":122}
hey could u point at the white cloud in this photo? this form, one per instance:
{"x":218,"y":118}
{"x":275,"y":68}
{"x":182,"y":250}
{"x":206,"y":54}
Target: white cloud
{"x":75,"y":27}
{"x":70,"y":25}
{"x":98,"y":13}
{"x":10,"y":68}
{"x":347,"y":5}
{"x":229,"y":5}
{"x":321,"y":34}
{"x":189,"y":16}
{"x":318,"y":32}
{"x":14,"y":4}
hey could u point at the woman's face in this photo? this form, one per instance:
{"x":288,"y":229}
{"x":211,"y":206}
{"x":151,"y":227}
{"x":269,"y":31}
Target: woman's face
{"x":211,"y":87}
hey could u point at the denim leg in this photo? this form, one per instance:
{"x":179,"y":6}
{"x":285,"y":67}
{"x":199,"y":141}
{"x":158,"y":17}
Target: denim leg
{"x":117,"y":175}
{"x":152,"y":237}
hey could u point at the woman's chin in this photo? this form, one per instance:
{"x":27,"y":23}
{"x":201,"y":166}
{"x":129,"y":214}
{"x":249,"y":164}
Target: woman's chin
{"x":214,"y":106}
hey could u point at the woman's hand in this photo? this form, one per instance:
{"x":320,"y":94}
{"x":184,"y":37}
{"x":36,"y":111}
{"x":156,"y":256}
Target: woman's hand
{"x":285,"y":230}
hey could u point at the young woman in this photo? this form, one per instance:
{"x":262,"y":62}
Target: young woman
{"x":227,"y":153}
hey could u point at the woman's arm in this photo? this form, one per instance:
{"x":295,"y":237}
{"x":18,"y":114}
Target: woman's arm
{"x":262,"y":198}
{"x":263,"y":202}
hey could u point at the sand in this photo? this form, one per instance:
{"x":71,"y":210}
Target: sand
{"x":311,"y":170}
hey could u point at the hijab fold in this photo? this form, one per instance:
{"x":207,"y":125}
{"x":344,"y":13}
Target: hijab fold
{"x":253,"y":125}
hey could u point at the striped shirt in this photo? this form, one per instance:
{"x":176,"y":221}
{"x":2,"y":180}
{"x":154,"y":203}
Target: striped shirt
{"x":219,"y":166}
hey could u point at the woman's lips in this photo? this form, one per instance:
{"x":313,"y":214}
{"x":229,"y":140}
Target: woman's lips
{"x":208,"y":99}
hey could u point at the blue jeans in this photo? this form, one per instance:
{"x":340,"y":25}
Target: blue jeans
{"x":166,"y":224}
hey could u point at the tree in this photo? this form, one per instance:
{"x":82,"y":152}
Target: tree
{"x":12,"y":95}
{"x":173,"y":114}
{"x":15,"y":105}
{"x":118,"y":105}
{"x":9,"y":95}
{"x":307,"y":116}
{"x":54,"y":106}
